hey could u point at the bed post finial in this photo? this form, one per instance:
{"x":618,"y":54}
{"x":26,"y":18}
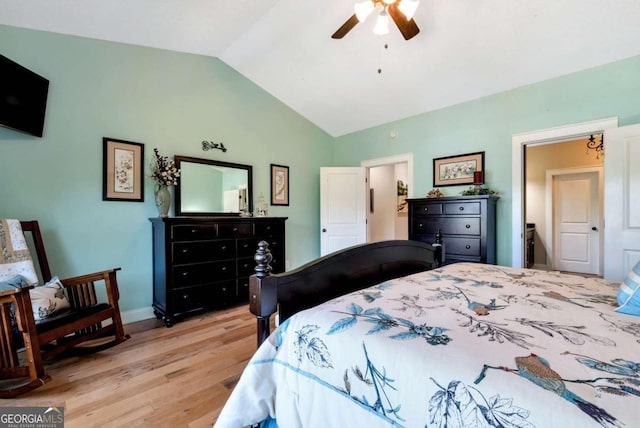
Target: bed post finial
{"x":263,"y":257}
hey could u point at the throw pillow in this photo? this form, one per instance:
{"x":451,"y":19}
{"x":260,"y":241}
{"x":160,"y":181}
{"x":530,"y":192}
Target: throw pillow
{"x":14,"y":253}
{"x":48,"y":299}
{"x":17,"y":281}
{"x":629,"y":293}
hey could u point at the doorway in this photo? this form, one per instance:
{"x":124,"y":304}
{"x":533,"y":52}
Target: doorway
{"x":519,"y":144}
{"x":390,"y":182}
{"x":557,"y":209}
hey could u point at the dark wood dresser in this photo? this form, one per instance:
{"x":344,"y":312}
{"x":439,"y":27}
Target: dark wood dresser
{"x":203,"y":263}
{"x":467,"y":223}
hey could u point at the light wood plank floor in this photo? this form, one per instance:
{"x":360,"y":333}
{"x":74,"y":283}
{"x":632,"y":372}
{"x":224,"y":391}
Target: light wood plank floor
{"x":161,"y":377}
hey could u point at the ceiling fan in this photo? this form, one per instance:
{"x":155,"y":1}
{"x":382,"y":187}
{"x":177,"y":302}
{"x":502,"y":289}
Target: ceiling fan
{"x":401,"y":11}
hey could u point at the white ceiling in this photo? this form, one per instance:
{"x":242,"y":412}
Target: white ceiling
{"x":466,"y":49}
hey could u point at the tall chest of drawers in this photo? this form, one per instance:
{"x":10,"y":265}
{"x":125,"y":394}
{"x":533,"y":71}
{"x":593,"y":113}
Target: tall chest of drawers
{"x":203,"y":263}
{"x":467,"y":223}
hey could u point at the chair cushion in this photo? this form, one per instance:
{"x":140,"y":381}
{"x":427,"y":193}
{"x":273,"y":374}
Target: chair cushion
{"x":15,"y":258}
{"x":68,"y":316}
{"x":48,"y":299}
{"x":629,"y":293}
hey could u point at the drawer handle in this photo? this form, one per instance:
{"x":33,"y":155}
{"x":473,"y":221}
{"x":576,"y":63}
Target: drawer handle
{"x":223,"y":248}
{"x":468,"y":247}
{"x":426,"y":209}
{"x":185,"y":297}
{"x":235,"y":229}
{"x":468,"y":226}
{"x":246,"y":265}
{"x":194,"y":231}
{"x":268,"y":227}
{"x":185,"y":274}
{"x":185,"y":251}
{"x":224,"y":268}
{"x":224,"y":289}
{"x":245,"y":246}
{"x":461,"y":208}
{"x":420,"y":225}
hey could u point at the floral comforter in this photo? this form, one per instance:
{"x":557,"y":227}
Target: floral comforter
{"x":466,"y":345}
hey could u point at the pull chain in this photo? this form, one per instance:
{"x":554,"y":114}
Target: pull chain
{"x":386,"y":46}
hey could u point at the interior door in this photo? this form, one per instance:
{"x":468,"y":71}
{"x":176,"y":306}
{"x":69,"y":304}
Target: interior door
{"x":343,"y":202}
{"x":576,"y":222}
{"x":621,"y":201}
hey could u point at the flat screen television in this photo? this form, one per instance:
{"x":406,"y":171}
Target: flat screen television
{"x":23,"y":98}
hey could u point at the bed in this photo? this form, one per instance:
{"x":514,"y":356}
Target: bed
{"x":380,"y":335}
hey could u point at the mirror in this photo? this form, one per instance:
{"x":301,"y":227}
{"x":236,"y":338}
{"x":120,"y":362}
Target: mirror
{"x":208,"y":187}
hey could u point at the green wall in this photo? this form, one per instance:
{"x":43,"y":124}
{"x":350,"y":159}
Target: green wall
{"x":163,"y":99}
{"x":173,"y":101}
{"x":487,"y":124}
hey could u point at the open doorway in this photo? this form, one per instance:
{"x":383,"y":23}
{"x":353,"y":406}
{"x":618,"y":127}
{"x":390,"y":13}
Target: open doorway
{"x":390,"y":182}
{"x":564,"y":206}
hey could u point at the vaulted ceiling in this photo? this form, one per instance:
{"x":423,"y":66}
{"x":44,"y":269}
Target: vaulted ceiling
{"x":466,"y":49}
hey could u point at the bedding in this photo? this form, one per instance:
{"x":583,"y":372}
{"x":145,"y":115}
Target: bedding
{"x":465,"y":345}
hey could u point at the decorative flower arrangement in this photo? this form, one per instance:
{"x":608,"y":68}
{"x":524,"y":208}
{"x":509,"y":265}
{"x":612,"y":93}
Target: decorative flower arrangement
{"x":478,"y":190}
{"x":435,"y":193}
{"x":163,"y":170}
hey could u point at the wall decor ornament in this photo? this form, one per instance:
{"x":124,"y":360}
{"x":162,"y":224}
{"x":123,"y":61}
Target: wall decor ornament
{"x":456,"y":170}
{"x":279,"y":185}
{"x":210,"y":145}
{"x":122,"y":177}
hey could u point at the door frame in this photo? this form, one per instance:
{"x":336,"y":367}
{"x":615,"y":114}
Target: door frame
{"x":518,"y":143}
{"x":549,"y":219}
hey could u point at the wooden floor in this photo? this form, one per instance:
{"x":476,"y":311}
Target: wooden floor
{"x":161,"y":377}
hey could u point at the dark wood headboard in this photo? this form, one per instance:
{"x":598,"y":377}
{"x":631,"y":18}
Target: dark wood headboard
{"x":330,"y":276}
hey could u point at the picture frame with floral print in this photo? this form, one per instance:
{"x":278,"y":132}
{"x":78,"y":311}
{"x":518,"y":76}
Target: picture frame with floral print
{"x":122,"y":172}
{"x":456,"y":170}
{"x":279,"y":185}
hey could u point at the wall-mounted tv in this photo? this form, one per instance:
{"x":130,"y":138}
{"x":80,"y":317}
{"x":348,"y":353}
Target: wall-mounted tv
{"x":23,"y":98}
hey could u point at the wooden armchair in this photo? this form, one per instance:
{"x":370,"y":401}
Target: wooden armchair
{"x":83,"y":324}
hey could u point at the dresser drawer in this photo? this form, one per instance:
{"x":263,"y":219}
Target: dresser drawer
{"x":462,"y":208}
{"x":188,"y":299}
{"x":232,"y":230}
{"x":247,"y":246}
{"x":428,"y":209}
{"x":447,"y":225}
{"x":198,"y":273}
{"x":462,"y":246}
{"x":193,"y":232}
{"x":243,"y":289}
{"x":205,"y":296}
{"x":246,"y":266}
{"x":202,"y":251}
{"x":269,"y":229}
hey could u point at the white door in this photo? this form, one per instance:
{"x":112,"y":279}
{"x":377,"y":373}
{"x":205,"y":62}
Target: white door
{"x":343,"y":203}
{"x":621,"y":201}
{"x":576,"y":222}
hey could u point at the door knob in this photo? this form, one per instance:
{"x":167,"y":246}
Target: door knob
{"x":324,"y":230}
{"x":594,"y":228}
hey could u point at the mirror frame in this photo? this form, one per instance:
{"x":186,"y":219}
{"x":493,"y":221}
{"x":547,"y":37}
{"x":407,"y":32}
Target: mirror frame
{"x":178,"y":161}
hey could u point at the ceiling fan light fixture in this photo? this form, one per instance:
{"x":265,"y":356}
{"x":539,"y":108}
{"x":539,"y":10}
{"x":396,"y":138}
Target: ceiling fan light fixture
{"x":388,"y":2}
{"x":408,"y":8}
{"x":363,"y":9}
{"x":382,"y":24}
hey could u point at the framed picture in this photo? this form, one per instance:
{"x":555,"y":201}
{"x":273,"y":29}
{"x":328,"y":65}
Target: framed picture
{"x":122,"y":172}
{"x":455,"y":170}
{"x":279,"y":185}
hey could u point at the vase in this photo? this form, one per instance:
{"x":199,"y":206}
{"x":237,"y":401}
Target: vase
{"x":163,"y":200}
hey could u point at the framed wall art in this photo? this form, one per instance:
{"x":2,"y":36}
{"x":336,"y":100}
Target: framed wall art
{"x":279,"y":185}
{"x":456,"y":170}
{"x":122,"y":171}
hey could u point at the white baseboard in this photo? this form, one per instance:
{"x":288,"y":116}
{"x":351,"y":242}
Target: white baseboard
{"x":540,"y":266}
{"x":134,"y":315}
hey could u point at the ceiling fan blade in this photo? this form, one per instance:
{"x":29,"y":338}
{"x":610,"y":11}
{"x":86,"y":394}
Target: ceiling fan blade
{"x":407,"y":28}
{"x":346,"y":27}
